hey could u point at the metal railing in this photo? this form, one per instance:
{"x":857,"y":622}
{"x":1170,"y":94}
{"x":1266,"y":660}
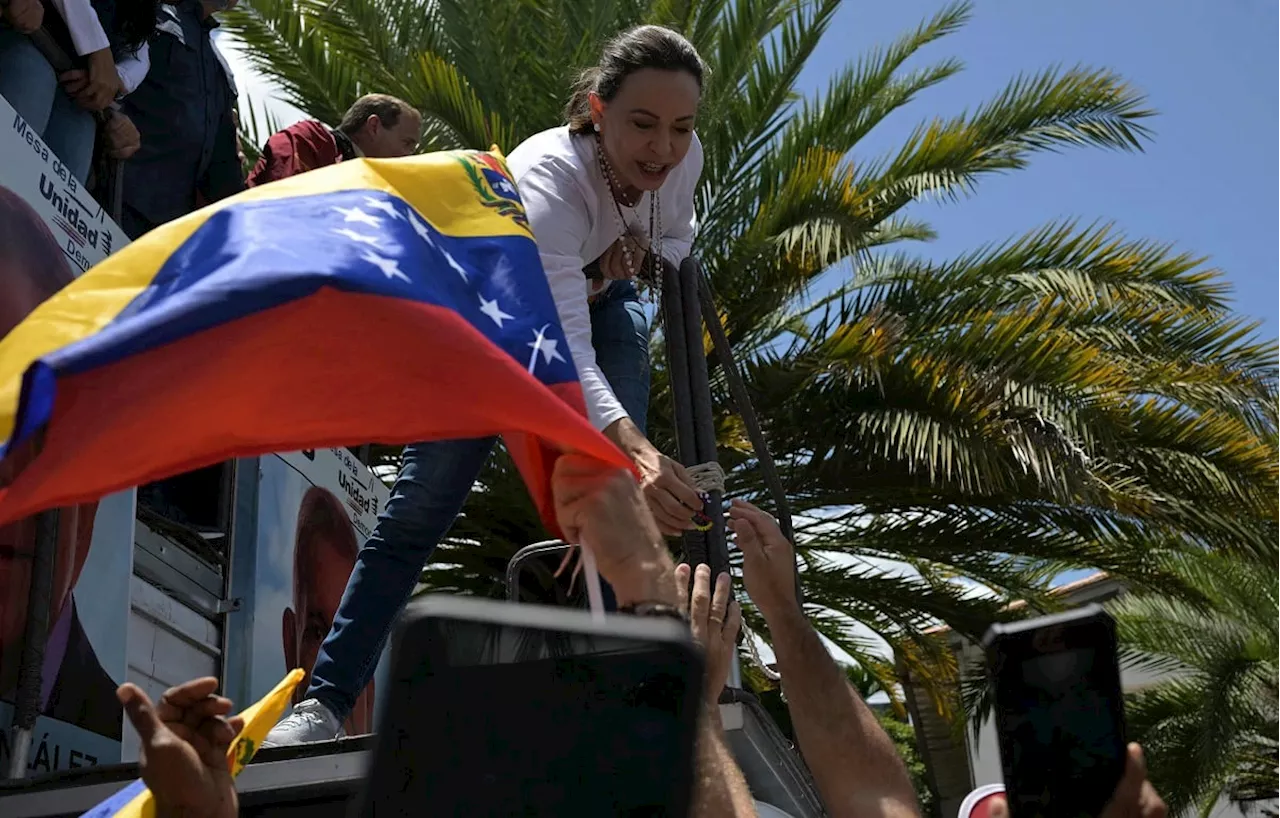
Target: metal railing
{"x":688,"y":306}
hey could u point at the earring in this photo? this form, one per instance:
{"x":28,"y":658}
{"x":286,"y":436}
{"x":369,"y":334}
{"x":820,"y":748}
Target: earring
{"x":597,"y":127}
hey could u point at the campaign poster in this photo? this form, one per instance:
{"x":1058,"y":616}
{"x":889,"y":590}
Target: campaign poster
{"x":85,"y":655}
{"x":51,"y":230}
{"x":79,"y":226}
{"x":315,"y":511}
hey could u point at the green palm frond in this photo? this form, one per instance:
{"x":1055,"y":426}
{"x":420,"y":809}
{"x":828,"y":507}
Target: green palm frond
{"x":1209,"y":724}
{"x":285,"y":46}
{"x":256,"y":127}
{"x":1046,"y":111}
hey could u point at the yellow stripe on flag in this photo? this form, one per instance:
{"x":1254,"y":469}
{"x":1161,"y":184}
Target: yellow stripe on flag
{"x":444,"y":188}
{"x":259,"y":719}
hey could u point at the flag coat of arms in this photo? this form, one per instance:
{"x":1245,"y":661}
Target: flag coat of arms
{"x":374,"y":300}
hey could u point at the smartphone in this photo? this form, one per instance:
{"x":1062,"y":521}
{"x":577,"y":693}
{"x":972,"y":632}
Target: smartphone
{"x":1059,"y":712}
{"x":498,"y":709}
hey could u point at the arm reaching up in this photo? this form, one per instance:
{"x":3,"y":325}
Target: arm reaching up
{"x":855,"y":765}
{"x":719,"y":788}
{"x":604,"y":510}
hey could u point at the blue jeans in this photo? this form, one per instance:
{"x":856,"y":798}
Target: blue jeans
{"x":434,"y":481}
{"x":29,"y":84}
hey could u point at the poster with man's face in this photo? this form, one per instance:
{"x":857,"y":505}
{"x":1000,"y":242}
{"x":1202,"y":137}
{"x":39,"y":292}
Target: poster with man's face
{"x":50,"y":231}
{"x":315,"y":511}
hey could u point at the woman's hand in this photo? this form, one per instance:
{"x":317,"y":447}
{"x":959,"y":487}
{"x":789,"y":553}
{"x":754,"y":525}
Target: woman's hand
{"x":613,"y":262}
{"x":95,"y":88}
{"x":667,"y":488}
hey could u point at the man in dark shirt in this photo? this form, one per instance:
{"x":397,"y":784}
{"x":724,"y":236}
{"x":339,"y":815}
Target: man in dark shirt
{"x":184,"y":111}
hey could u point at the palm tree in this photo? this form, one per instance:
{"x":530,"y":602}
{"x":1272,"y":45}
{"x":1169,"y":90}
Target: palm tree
{"x":1210,"y":726}
{"x":1072,"y":397}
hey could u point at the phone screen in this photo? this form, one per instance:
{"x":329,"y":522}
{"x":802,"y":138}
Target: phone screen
{"x":490,"y":720}
{"x":1057,"y":707}
{"x":1062,"y":732}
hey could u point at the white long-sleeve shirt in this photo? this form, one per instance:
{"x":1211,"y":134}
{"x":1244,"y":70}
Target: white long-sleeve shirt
{"x":574,"y":221}
{"x":133,"y":68}
{"x":83,"y":25}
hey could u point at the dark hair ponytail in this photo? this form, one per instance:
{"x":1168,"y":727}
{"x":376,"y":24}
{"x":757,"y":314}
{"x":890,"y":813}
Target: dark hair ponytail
{"x":630,"y":51}
{"x":128,"y":23}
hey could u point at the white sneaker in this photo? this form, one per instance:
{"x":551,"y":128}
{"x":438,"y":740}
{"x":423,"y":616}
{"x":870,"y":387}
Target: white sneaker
{"x":309,"y":722}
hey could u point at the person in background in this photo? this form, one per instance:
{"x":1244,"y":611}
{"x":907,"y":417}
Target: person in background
{"x":183,"y":112}
{"x":107,"y":41}
{"x":1134,"y":797}
{"x":377,"y":126}
{"x":613,"y":189}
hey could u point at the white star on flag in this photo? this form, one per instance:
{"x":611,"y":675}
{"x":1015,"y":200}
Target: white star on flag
{"x":420,"y":227}
{"x":355,"y":214}
{"x":547,"y":346}
{"x":354,"y":236}
{"x":388,"y":266}
{"x":505,"y":187}
{"x":385,"y":207}
{"x":491,"y":309}
{"x":424,"y":233}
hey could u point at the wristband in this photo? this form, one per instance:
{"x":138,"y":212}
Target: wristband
{"x":658,"y":609}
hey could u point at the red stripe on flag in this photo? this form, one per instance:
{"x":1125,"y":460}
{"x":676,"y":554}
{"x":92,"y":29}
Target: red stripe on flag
{"x":331,"y":369}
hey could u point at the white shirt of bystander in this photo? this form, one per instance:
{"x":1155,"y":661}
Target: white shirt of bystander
{"x":88,"y":36}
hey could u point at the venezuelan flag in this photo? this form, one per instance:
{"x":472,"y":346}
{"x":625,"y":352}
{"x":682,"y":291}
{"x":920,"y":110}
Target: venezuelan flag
{"x":388,"y":300}
{"x":136,"y":801}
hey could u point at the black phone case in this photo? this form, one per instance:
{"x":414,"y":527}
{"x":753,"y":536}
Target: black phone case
{"x":1075,"y":793}
{"x":429,"y":664}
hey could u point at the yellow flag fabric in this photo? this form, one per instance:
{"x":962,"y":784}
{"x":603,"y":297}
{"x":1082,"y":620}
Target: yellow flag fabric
{"x":136,"y":801}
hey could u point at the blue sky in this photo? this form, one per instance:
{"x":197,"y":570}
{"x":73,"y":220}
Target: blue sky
{"x":1207,"y":182}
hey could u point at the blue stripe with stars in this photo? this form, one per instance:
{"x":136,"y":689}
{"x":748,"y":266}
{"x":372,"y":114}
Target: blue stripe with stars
{"x":254,"y":256}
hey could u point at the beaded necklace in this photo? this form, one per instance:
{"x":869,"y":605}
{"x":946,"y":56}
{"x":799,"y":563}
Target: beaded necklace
{"x":650,"y":274}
